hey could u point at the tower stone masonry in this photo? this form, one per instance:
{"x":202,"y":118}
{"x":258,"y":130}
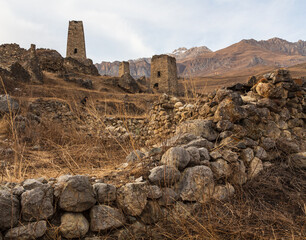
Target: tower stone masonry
{"x":76,"y":41}
{"x":124,"y":67}
{"x":164,"y":74}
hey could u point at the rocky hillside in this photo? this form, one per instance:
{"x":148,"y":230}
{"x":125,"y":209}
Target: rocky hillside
{"x":242,"y":56}
{"x":245,"y":143}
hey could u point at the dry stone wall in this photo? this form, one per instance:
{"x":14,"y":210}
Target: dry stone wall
{"x":221,"y":142}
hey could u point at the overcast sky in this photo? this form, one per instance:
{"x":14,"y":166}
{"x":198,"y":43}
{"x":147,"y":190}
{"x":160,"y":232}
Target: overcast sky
{"x":129,"y":29}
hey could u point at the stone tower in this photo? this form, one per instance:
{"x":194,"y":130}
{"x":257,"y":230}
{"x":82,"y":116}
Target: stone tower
{"x":124,"y":67}
{"x":76,"y":40}
{"x":164,"y":74}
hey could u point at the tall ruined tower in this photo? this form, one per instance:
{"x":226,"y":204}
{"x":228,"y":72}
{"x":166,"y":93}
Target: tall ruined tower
{"x":76,"y":40}
{"x":164,"y":74}
{"x":124,"y":67}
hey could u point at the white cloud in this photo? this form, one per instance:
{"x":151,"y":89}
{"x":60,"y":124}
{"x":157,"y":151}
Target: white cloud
{"x":121,"y":30}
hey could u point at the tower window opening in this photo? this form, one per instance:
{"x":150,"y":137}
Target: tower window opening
{"x":75,"y":51}
{"x":155,"y":86}
{"x":158,"y":74}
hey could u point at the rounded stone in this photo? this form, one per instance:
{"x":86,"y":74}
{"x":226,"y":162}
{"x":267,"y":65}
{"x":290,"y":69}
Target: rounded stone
{"x":164,"y":175}
{"x":74,"y":225}
{"x":177,"y":157}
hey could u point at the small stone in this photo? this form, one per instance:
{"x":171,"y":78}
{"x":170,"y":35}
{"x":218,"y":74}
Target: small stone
{"x":103,"y":217}
{"x":204,"y":154}
{"x":74,"y":225}
{"x":202,"y":128}
{"x":177,"y":157}
{"x":37,"y":203}
{"x":152,"y":213}
{"x":297,"y":159}
{"x":239,"y":175}
{"x":268,"y":143}
{"x":76,"y":193}
{"x":247,"y":155}
{"x":221,"y":168}
{"x":194,"y":156}
{"x":223,"y":192}
{"x":169,"y":197}
{"x":260,"y":153}
{"x":134,"y":156}
{"x":255,"y":168}
{"x":154,"y":192}
{"x":196,"y":184}
{"x":164,"y":175}
{"x":105,"y":193}
{"x":132,"y":198}
{"x":31,"y":184}
{"x":201,"y":142}
{"x":30,"y":231}
{"x":9,"y":210}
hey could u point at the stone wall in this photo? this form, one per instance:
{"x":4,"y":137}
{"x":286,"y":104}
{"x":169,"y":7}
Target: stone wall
{"x":214,"y":146}
{"x":124,"y":68}
{"x":76,"y":40}
{"x":164,"y":74}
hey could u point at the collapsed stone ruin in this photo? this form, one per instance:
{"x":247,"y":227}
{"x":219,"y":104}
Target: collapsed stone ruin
{"x":202,"y":151}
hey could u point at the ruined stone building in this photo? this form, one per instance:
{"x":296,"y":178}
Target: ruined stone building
{"x":124,"y":67}
{"x":76,"y":41}
{"x":164,"y":74}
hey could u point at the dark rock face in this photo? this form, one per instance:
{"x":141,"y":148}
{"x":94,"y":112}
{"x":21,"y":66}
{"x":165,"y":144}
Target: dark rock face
{"x":22,"y":64}
{"x":50,"y":60}
{"x":78,"y":66}
{"x":128,"y":83}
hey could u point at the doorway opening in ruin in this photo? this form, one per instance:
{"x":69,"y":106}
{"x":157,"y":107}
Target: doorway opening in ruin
{"x":158,"y":74}
{"x":155,"y":86}
{"x":75,"y":51}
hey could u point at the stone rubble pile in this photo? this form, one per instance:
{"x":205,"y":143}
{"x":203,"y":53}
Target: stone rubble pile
{"x":223,"y":141}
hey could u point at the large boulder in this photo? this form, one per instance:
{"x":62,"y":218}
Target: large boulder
{"x":132,"y":198}
{"x":9,"y":210}
{"x":198,"y":127}
{"x":74,"y":225}
{"x":33,"y":230}
{"x":37,"y":204}
{"x":103,"y":217}
{"x":164,"y":175}
{"x":76,"y":194}
{"x":177,"y":157}
{"x":229,"y":110}
{"x":196,"y":184}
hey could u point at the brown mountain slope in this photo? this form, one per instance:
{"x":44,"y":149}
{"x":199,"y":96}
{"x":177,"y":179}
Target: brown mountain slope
{"x":246,"y":55}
